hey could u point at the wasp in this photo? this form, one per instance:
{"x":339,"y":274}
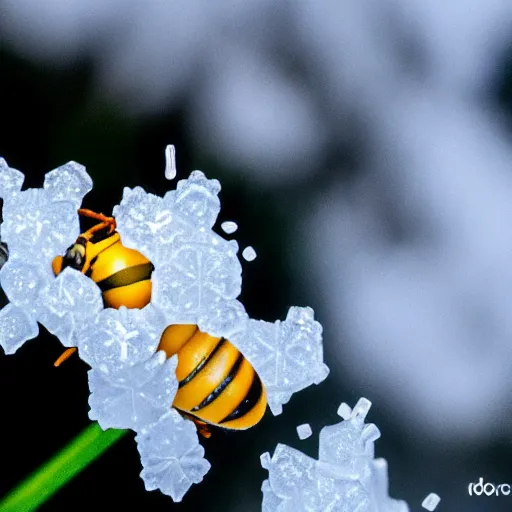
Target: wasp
{"x":217,"y":385}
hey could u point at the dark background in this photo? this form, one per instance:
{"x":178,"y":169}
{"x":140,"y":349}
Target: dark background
{"x":55,"y":111}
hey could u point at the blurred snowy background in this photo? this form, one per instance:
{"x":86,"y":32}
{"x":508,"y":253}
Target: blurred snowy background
{"x":364,"y":147}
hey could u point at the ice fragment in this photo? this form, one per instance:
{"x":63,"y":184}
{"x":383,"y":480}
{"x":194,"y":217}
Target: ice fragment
{"x":16,"y":327}
{"x":22,"y":282}
{"x":170,"y":162}
{"x":249,"y":254}
{"x":119,"y":338}
{"x":304,"y":431}
{"x":288,"y":356}
{"x":11,"y":180}
{"x":36,"y":229}
{"x":197,"y":200}
{"x":344,"y":411}
{"x":69,"y":182}
{"x":135,"y":396}
{"x":171,"y":455}
{"x":431,"y":502}
{"x":229,"y":227}
{"x":346,"y":478}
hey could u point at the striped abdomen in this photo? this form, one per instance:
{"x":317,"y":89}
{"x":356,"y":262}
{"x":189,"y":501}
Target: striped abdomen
{"x":216,"y":383}
{"x":122,"y":274}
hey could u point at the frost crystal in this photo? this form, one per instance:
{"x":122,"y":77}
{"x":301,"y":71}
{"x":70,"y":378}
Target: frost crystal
{"x":304,"y":431}
{"x":197,"y":200}
{"x":170,"y":162}
{"x":22,"y":282}
{"x":16,"y":327}
{"x":431,"y":502}
{"x":37,"y":229}
{"x":70,"y":299}
{"x":119,"y":338}
{"x":229,"y":227}
{"x":69,"y":182}
{"x":288,"y":356}
{"x":346,"y":478}
{"x":225,"y":320}
{"x":133,"y":397}
{"x":249,"y":254}
{"x":172,"y":457}
{"x":11,"y":180}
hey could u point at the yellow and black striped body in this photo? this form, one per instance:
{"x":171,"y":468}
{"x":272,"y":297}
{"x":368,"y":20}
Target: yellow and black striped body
{"x":217,"y":385}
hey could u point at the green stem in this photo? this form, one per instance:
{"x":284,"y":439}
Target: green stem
{"x":61,"y":468}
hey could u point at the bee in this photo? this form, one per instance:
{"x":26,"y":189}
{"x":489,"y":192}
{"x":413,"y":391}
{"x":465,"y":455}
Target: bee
{"x":217,"y":386}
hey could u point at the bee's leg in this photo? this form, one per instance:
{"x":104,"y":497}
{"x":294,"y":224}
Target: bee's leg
{"x":65,"y":356}
{"x":203,"y":429}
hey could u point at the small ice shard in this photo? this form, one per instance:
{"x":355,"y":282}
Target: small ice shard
{"x":170,"y":162}
{"x":229,"y":227}
{"x":36,"y":229}
{"x":67,"y":302}
{"x":69,"y":182}
{"x":431,"y":502}
{"x":22,"y":282}
{"x":288,"y":356}
{"x":349,"y":446}
{"x":171,"y":455}
{"x":345,"y":479}
{"x":197,"y":200}
{"x":11,"y":180}
{"x":304,"y":431}
{"x":265,"y":460}
{"x":133,"y":397}
{"x":118,"y":338}
{"x":249,"y":254}
{"x":344,"y":411}
{"x":16,"y":327}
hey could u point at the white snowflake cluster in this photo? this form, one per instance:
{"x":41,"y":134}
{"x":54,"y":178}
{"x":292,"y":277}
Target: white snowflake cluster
{"x":346,"y":478}
{"x":196,"y":280}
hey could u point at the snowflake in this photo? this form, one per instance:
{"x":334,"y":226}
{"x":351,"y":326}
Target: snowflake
{"x":197,"y":280}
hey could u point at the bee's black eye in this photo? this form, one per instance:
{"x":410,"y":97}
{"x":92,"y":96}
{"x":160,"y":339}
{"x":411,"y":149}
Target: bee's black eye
{"x":73,"y":258}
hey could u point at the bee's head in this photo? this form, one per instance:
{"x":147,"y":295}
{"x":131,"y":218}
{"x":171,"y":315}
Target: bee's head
{"x":74,"y":257}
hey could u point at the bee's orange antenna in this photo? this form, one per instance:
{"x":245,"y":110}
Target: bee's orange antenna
{"x":105,"y":221}
{"x":65,"y":356}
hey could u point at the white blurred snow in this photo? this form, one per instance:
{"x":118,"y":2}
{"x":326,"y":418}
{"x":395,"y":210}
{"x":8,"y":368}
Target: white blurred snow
{"x":425,"y":320}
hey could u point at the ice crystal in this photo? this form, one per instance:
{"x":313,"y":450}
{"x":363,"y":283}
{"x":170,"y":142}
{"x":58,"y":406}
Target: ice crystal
{"x":119,"y":338}
{"x":16,"y":327}
{"x":346,"y":478}
{"x":11,"y":180}
{"x":172,"y":457}
{"x":197,"y":280}
{"x":249,"y":254}
{"x":22,"y":282}
{"x":431,"y":501}
{"x":229,"y":227}
{"x":170,"y":162}
{"x":70,"y":182}
{"x":67,"y":303}
{"x":135,"y":396}
{"x":304,"y":431}
{"x":288,"y":356}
